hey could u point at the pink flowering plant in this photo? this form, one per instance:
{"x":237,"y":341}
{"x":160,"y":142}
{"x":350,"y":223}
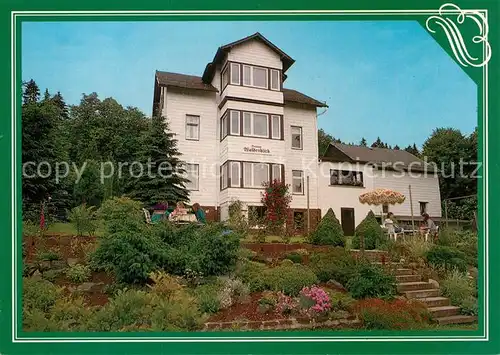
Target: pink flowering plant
{"x":286,"y":304}
{"x":314,"y":301}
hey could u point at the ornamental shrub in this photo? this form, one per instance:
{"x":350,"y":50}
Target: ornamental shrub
{"x":83,"y":218}
{"x":448,"y":258}
{"x":314,"y":300}
{"x":276,"y":200}
{"x":78,"y":273}
{"x":387,"y":315}
{"x":329,"y":231}
{"x":371,"y":281}
{"x":122,"y":214}
{"x":337,"y":264}
{"x":295,"y":257}
{"x":370,"y":229}
{"x":289,"y":279}
{"x":39,"y":294}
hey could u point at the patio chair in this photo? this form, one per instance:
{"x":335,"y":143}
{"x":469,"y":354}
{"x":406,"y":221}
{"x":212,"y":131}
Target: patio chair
{"x":433,"y":233}
{"x":147,"y":215}
{"x":392,"y":232}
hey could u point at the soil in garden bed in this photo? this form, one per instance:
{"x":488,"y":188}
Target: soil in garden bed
{"x":245,"y":311}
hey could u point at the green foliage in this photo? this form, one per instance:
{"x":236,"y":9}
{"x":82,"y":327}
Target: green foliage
{"x":89,"y":190}
{"x":83,"y":218}
{"x":39,"y":294}
{"x":276,"y":200}
{"x":237,"y":220}
{"x":289,"y":279}
{"x":447,"y":147}
{"x":324,"y":140}
{"x":122,"y":214}
{"x":166,"y":181}
{"x":448,"y":258}
{"x":49,"y":255}
{"x":415,"y":249}
{"x":78,"y":273}
{"x":341,"y":301}
{"x":461,"y":291}
{"x":329,"y":231}
{"x":371,"y":281}
{"x":244,"y":253}
{"x":337,"y":264}
{"x":370,"y":229}
{"x":30,"y":229}
{"x":465,"y":241}
{"x":252,"y":273}
{"x":132,"y":249}
{"x":208,"y":297}
{"x":295,"y":257}
{"x":51,"y":275}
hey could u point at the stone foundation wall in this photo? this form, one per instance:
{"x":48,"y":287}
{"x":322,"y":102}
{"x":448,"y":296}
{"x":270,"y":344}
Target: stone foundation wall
{"x":283,"y":324}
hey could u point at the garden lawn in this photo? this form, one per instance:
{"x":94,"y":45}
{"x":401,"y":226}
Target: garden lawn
{"x":61,"y":228}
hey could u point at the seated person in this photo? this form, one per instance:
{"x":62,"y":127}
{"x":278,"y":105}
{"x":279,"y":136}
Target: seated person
{"x":428,"y":225}
{"x":160,"y":211}
{"x":199,"y":213}
{"x":392,"y":218}
{"x":179,"y":211}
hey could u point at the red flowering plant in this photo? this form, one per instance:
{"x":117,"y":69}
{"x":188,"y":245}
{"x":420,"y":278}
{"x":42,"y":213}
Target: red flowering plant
{"x":276,"y":200}
{"x":396,"y":314}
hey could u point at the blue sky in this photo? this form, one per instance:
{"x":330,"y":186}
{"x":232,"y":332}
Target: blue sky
{"x":387,"y":79}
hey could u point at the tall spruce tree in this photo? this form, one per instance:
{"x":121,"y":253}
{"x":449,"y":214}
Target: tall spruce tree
{"x":165,"y":182}
{"x":363,"y":142}
{"x":58,"y":100}
{"x":31,"y":92}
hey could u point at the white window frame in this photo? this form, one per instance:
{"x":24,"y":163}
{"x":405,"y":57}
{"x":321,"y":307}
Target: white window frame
{"x":301,"y":177}
{"x":197,"y":138}
{"x":252,"y":174}
{"x":235,"y":182}
{"x":273,"y":166}
{"x":196,"y":183}
{"x":224,"y":176}
{"x":252,"y":127}
{"x":235,"y":67}
{"x":278,"y":84}
{"x":252,"y":84}
{"x":224,"y":72}
{"x":232,"y":126}
{"x":301,"y":137}
{"x":224,"y":125}
{"x":272,"y":126}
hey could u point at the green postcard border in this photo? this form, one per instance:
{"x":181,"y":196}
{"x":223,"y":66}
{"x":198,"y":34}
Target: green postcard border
{"x":239,"y":342}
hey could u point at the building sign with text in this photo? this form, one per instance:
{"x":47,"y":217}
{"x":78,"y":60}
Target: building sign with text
{"x":256,"y":149}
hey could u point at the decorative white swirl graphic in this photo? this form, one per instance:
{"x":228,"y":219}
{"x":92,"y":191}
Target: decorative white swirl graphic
{"x":454,"y":35}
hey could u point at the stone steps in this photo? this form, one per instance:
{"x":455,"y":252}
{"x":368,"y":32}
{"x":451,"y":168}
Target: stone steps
{"x":458,"y":319}
{"x":413,"y":286}
{"x":435,"y":301}
{"x":443,"y":311}
{"x":403,"y":272}
{"x":408,"y":278}
{"x":440,"y":308}
{"x":434,"y":292}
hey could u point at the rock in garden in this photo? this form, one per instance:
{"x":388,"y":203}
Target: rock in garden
{"x":86,"y":287}
{"x":434,"y":283}
{"x":336,"y":284}
{"x":58,"y":264}
{"x":37,"y":275}
{"x":72,"y":261}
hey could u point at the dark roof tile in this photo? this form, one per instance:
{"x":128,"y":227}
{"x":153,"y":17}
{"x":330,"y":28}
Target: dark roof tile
{"x":183,"y":81}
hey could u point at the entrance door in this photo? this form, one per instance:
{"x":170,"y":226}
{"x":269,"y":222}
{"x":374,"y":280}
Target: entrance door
{"x":347,"y":218}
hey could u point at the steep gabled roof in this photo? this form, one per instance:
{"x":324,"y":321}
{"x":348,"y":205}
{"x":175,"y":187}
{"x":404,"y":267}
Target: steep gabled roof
{"x":194,"y":82}
{"x":298,"y":97}
{"x":182,"y":81}
{"x":223,"y":50}
{"x":400,"y":159}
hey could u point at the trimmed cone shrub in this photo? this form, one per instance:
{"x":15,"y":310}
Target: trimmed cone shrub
{"x":329,"y":231}
{"x":371,"y":231}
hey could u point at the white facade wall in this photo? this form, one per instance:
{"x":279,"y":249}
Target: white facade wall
{"x":337,"y":196}
{"x":177,"y":105}
{"x":424,"y":188}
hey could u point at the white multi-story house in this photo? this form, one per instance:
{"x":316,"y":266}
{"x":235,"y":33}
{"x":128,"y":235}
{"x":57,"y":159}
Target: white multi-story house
{"x":347,"y":171}
{"x":237,"y":127}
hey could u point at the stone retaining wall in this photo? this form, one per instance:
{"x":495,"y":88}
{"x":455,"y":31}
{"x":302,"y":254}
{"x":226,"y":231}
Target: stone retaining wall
{"x":283,"y":324}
